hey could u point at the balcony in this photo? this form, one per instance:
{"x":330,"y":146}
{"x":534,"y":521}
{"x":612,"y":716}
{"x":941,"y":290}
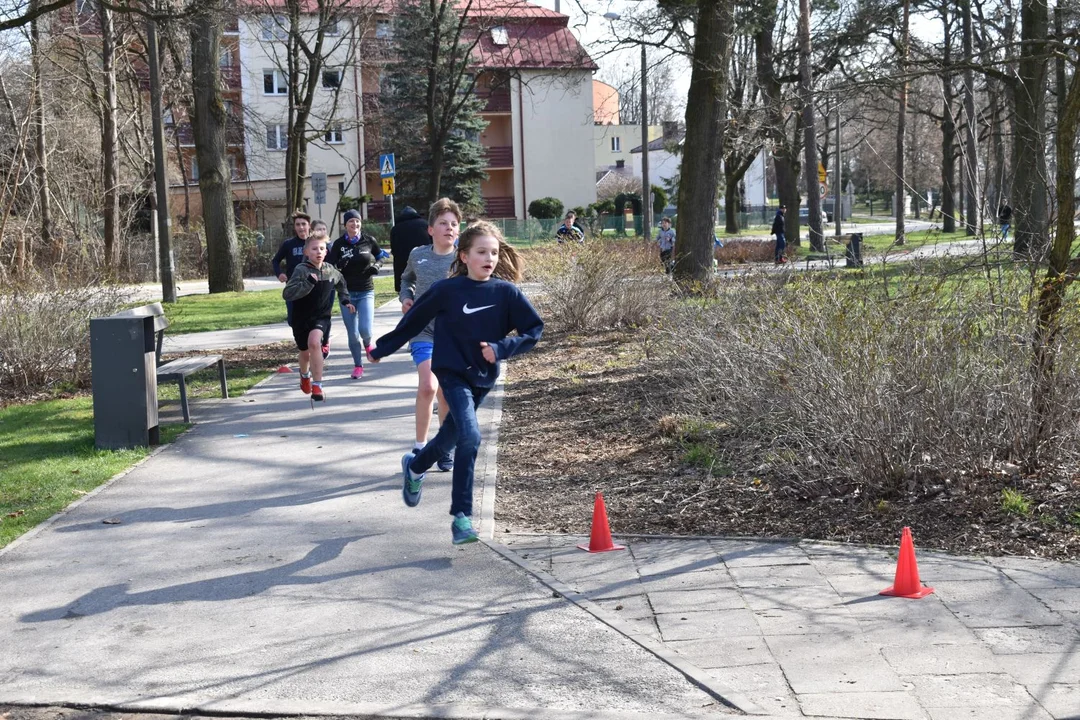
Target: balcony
{"x":499,"y":157}
{"x":496,"y":101}
{"x":499,"y":207}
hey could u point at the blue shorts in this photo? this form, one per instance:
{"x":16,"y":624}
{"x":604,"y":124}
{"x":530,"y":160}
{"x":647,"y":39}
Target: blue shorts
{"x":420,"y":351}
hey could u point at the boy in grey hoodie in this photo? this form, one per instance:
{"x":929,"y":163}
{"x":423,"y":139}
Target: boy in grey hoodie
{"x":427,"y":265}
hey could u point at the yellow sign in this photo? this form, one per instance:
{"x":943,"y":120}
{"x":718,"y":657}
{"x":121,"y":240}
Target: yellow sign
{"x":388,"y":186}
{"x":821,"y":174}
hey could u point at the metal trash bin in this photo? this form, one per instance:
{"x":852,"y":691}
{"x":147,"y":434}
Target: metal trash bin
{"x":853,"y":254}
{"x":124,"y":371}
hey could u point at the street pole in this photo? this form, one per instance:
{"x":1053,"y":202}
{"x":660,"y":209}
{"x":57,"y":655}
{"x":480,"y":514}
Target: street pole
{"x":838,"y":204}
{"x":646,"y":187}
{"x":165,"y":254}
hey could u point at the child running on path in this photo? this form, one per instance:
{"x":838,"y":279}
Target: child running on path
{"x":357,"y":257}
{"x":474,"y":313}
{"x":291,"y":253}
{"x":311,"y":290}
{"x":426,"y":266}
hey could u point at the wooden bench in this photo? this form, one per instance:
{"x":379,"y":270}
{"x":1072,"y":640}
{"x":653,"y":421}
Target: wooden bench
{"x":177,"y":370}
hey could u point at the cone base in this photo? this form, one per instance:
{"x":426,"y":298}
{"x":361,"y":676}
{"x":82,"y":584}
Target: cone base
{"x":921,"y":593}
{"x":600,"y":550}
{"x":284,"y":369}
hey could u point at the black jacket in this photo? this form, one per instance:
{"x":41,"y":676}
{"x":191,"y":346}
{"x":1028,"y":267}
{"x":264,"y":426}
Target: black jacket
{"x":291,"y":253}
{"x":358,"y":263}
{"x":410,"y":231}
{"x":777,"y":223}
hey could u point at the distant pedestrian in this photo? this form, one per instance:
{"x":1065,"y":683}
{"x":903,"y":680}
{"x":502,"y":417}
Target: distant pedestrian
{"x":475,"y":311}
{"x":568,"y":230}
{"x":311,"y":290}
{"x":1004,"y":216}
{"x":357,"y":257}
{"x":666,"y":239}
{"x":291,"y":253}
{"x":410,"y":231}
{"x":778,"y":231}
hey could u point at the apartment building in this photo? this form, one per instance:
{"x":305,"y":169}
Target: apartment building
{"x":534,"y":76}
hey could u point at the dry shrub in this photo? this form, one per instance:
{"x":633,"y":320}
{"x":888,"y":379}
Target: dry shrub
{"x":831,"y":383}
{"x":739,"y":251}
{"x":45,"y":334}
{"x":599,"y":284}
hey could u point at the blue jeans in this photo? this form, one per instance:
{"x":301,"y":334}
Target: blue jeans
{"x":358,"y":324}
{"x":781,"y":245}
{"x":1004,"y":231}
{"x":459,"y":432}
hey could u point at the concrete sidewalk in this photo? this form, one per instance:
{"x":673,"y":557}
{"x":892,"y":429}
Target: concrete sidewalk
{"x":265,"y":563}
{"x":800,"y":629}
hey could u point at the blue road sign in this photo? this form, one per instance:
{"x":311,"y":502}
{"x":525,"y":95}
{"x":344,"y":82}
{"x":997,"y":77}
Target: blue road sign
{"x":387,"y":168}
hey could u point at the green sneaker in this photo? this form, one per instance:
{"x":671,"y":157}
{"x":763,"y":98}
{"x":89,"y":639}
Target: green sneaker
{"x":462,"y":530}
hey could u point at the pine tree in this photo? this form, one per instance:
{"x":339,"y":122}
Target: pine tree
{"x":430,"y":114}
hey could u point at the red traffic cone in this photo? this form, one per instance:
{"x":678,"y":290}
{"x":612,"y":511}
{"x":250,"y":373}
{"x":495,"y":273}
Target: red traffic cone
{"x":284,"y":369}
{"x":906,"y":584}
{"x":600,"y":541}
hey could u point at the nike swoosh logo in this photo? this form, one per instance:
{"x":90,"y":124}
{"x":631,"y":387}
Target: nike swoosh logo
{"x":469,"y":311}
{"x":421,"y":262}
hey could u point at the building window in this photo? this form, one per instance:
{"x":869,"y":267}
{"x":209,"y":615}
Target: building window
{"x":194,"y":166}
{"x":616,"y":144}
{"x":167,"y":117}
{"x":226,"y":57}
{"x":384,"y":30}
{"x":500,"y":35}
{"x":85,"y":7}
{"x":331,"y":78}
{"x":340,"y":188}
{"x":332,"y":27}
{"x":334,"y":135}
{"x":274,"y":27}
{"x":277,"y":137}
{"x":234,"y":173}
{"x":274,"y":83}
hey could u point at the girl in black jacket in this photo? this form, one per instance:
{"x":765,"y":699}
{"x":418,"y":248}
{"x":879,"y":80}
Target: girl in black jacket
{"x":356,"y":256}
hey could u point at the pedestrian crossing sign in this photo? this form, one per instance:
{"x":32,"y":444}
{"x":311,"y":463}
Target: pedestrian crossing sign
{"x":387,"y":166}
{"x":388,"y":186}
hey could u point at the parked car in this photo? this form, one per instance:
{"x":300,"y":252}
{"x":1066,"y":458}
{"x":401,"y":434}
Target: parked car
{"x":804,"y":216}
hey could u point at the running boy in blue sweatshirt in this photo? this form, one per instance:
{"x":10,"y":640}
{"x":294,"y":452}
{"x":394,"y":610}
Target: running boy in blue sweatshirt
{"x":291,"y":253}
{"x":474,"y":310}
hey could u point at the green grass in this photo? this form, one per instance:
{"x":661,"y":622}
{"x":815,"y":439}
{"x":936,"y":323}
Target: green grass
{"x":225,"y":311}
{"x":48,"y":460}
{"x":1013,"y":501}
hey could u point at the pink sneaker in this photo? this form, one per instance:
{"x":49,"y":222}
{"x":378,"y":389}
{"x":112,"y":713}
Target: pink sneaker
{"x":357,"y":373}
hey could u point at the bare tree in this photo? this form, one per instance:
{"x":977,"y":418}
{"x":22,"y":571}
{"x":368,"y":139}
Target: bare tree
{"x":208,"y":122}
{"x":806,"y":98}
{"x":900,"y":206}
{"x":1029,"y":155}
{"x":41,"y":153}
{"x":109,"y":140}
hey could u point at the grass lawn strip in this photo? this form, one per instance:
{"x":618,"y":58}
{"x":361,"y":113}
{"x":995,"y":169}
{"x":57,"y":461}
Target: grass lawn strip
{"x":226,"y":311}
{"x":48,"y":460}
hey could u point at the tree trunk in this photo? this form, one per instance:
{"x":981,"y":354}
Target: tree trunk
{"x":948,"y":129}
{"x":972,"y":212}
{"x":186,"y":222}
{"x":731,"y":202}
{"x":706,"y":108}
{"x":41,"y":170}
{"x":806,"y":98}
{"x":1059,"y":274}
{"x":208,"y":122}
{"x":1029,"y":157}
{"x":901,"y":129}
{"x":109,"y":140}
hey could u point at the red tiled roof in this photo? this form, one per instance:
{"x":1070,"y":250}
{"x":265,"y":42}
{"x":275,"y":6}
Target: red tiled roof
{"x":534,"y":45}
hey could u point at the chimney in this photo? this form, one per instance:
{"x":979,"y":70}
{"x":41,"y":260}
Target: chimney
{"x":620,"y":164}
{"x":671,"y":129}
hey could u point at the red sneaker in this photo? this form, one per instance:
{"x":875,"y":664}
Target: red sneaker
{"x":316,"y":393}
{"x":326,"y":350}
{"x":305,"y":384}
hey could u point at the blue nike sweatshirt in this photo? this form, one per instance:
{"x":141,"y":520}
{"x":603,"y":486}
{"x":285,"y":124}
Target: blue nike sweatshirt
{"x":466,"y":313}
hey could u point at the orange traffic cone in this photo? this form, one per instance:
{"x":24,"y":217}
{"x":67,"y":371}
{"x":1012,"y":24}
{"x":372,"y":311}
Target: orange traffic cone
{"x":906,"y":584}
{"x":284,"y":369}
{"x":600,"y":541}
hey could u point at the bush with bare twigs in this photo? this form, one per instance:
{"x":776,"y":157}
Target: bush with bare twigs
{"x":599,"y":284}
{"x":838,"y":384}
{"x":45,"y":334}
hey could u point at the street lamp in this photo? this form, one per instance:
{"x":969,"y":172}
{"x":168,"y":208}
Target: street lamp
{"x":646,"y":187}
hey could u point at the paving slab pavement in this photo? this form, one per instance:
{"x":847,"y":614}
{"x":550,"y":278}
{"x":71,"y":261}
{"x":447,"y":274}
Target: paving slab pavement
{"x":264,"y":563}
{"x":798,"y":628}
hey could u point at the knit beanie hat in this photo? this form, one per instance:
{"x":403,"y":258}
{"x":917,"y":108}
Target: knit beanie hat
{"x":351,"y":215}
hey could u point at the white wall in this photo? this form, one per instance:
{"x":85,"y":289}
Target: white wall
{"x":629,"y":138}
{"x":755,"y":181}
{"x":662,"y":166}
{"x":554,"y":112}
{"x":338,"y":160}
